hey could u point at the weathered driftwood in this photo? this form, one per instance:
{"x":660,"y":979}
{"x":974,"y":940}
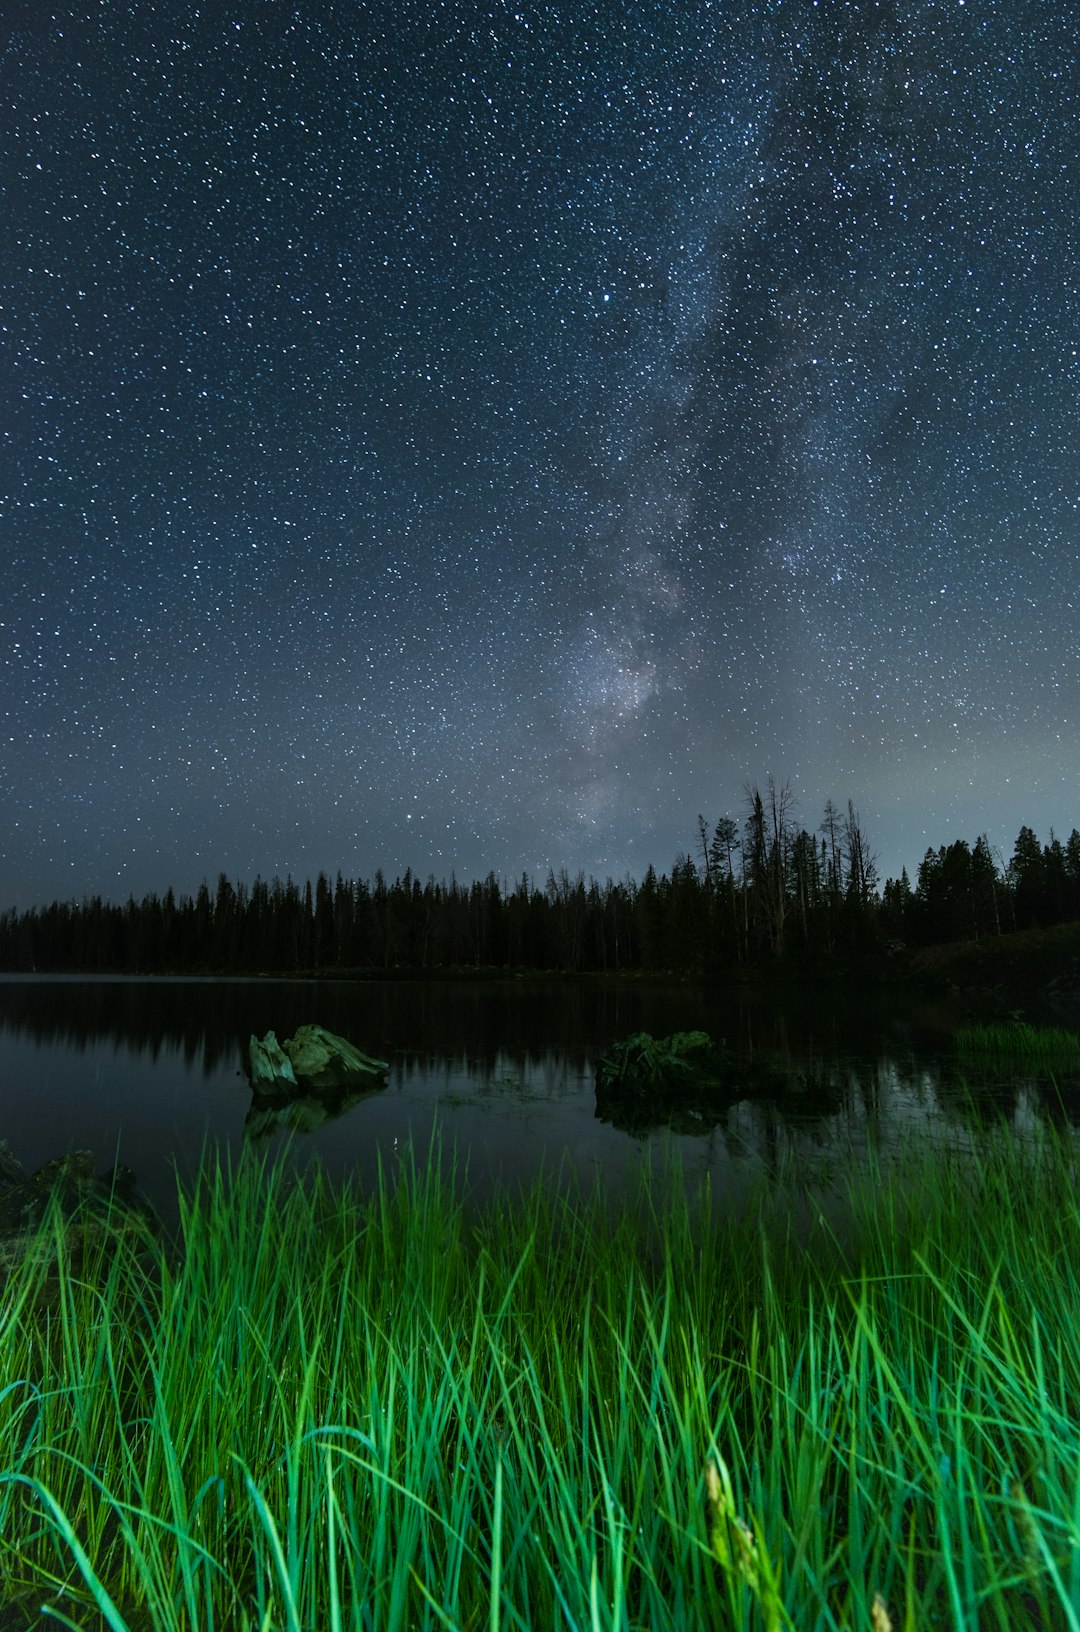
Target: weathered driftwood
{"x":269,"y":1067}
{"x":313,"y":1059}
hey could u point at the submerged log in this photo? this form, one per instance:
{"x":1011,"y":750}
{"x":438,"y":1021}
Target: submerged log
{"x":314,"y":1059}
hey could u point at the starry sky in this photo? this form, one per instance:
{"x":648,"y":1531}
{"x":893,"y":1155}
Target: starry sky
{"x":479,"y":436}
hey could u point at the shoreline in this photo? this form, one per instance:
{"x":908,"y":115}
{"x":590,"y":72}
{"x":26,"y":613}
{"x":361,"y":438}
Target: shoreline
{"x":1030,"y":974}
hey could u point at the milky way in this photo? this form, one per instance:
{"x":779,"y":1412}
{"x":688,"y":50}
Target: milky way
{"x":483,"y":437}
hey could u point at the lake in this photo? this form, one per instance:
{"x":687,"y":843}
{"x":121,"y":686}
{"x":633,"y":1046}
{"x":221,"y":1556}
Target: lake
{"x":147,"y":1071}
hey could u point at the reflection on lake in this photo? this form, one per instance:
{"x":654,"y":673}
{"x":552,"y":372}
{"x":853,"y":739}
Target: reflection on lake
{"x":149,"y":1070}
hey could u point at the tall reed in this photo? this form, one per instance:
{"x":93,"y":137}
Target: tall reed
{"x":394,"y":1409}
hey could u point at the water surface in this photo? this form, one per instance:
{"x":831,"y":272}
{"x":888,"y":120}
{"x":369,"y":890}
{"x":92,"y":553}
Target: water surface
{"x":148,"y":1070}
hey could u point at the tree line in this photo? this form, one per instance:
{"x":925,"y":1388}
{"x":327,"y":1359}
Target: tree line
{"x":754,"y":890}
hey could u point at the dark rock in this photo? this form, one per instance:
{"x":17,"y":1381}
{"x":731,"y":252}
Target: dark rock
{"x":86,"y":1203}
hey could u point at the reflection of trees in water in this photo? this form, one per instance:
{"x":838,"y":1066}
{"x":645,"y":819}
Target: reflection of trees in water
{"x":210,"y":1021}
{"x":782,"y":1094}
{"x":811,"y":1064}
{"x":808,"y":1078}
{"x":979,"y":1105}
{"x":976,"y":1099}
{"x":147,"y":1018}
{"x":837,"y":1112}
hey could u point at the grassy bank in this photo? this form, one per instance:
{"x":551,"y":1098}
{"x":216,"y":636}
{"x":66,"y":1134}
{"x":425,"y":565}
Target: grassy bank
{"x":328,"y":1410}
{"x":1018,"y":1047}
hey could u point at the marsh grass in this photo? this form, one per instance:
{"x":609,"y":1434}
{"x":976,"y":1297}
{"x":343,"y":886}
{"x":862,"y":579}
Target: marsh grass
{"x":1019,"y":1047}
{"x":327,"y":1409}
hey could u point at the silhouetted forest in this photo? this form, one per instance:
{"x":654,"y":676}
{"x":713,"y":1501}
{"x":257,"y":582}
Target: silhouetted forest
{"x":754,"y":891}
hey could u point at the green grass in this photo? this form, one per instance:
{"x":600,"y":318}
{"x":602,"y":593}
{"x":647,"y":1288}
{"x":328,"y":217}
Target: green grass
{"x":332,"y":1410}
{"x":1019,"y":1047}
{"x":646,"y":1064}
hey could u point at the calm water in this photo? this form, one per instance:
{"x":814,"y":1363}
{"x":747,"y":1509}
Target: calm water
{"x":146,"y":1071}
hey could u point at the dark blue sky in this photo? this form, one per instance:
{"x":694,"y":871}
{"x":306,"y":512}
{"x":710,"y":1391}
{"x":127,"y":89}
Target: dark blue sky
{"x":484,"y":436}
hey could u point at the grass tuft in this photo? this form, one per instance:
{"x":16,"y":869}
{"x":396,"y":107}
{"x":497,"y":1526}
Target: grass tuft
{"x":327,"y":1408}
{"x":1019,"y":1047}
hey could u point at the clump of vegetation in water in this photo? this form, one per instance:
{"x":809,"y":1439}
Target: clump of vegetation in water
{"x":334,"y":1409}
{"x":647,"y":1064}
{"x":1020,"y":1047}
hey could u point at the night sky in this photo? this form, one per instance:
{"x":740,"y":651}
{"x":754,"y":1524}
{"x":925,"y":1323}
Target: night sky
{"x":481,"y":436}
